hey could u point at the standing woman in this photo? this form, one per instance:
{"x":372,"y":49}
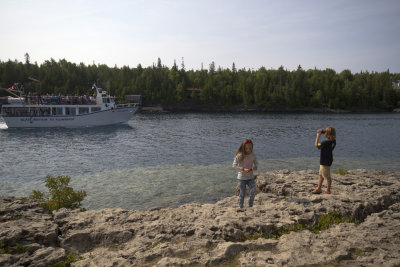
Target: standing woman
{"x":245,"y":162}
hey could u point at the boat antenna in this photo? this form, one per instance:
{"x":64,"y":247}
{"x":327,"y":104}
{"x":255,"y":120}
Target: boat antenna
{"x":33,"y":79}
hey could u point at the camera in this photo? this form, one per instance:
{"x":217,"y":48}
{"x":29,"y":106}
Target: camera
{"x":322,"y":131}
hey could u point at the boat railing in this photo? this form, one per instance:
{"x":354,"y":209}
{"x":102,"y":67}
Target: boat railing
{"x":127,"y":105}
{"x":60,"y":100}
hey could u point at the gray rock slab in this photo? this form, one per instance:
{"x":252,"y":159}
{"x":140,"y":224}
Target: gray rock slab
{"x":220,"y":234}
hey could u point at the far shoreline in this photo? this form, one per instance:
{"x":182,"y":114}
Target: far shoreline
{"x":254,"y":108}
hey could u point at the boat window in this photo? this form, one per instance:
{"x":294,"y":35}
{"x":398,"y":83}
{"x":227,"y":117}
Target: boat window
{"x":17,"y":111}
{"x":94,"y":109}
{"x":59,"y":111}
{"x":67,"y":111}
{"x":53,"y":111}
{"x":35,"y":112}
{"x":73,"y":111}
{"x":83,"y":110}
{"x":23,"y":111}
{"x":46,"y":111}
{"x":106,"y":100}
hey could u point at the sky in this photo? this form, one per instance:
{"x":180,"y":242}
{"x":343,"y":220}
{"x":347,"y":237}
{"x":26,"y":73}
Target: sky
{"x":358,"y":35}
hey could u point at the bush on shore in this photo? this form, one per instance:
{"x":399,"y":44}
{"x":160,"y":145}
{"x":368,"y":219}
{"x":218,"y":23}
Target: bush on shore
{"x":61,"y":195}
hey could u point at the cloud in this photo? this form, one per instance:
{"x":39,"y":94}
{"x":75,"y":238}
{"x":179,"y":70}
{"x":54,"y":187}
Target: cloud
{"x":341,"y":34}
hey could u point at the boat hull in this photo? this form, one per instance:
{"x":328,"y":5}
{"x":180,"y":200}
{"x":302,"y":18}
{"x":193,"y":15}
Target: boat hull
{"x":99,"y":118}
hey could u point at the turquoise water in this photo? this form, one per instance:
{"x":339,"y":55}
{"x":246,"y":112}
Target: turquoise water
{"x":174,"y":158}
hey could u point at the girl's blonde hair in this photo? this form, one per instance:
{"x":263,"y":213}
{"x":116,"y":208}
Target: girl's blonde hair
{"x":241,"y":149}
{"x":330,"y":133}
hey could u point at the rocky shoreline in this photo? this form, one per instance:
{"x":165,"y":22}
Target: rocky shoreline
{"x":218,"y":234}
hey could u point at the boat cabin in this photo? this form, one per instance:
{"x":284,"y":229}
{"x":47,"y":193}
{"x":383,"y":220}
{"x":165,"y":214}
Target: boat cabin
{"x":33,"y":111}
{"x":34,"y":105}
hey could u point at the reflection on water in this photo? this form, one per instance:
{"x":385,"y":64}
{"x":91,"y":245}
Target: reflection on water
{"x":175,"y":158}
{"x":173,"y":185}
{"x":176,"y":184}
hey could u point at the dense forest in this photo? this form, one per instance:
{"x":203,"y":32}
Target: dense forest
{"x":158,"y":84}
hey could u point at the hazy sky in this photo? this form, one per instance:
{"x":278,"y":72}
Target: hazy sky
{"x":360,"y":35}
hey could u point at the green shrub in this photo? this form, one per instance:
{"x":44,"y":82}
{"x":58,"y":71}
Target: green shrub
{"x":341,"y":172}
{"x":68,"y":260}
{"x":61,"y":195}
{"x":326,"y":220}
{"x":323,"y":223}
{"x":286,"y":229}
{"x":255,"y":235}
{"x":17,"y":249}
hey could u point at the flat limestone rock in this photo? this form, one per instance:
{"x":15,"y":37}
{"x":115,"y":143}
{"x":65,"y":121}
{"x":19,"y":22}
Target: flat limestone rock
{"x":219,"y":234}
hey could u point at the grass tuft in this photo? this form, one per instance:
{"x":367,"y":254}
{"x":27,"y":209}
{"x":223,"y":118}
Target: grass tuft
{"x":323,"y":223}
{"x":70,"y":258}
{"x":342,"y":172}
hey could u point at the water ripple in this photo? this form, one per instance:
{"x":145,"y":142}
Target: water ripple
{"x":169,"y":159}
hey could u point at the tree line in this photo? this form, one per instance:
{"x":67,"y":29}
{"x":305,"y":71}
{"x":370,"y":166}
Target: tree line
{"x":158,"y":84}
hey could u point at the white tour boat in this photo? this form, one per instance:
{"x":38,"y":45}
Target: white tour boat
{"x":34,"y":111}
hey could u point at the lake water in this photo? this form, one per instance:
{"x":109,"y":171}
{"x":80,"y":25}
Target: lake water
{"x":169,"y":159}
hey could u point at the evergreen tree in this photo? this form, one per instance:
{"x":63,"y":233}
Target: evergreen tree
{"x":160,"y":85}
